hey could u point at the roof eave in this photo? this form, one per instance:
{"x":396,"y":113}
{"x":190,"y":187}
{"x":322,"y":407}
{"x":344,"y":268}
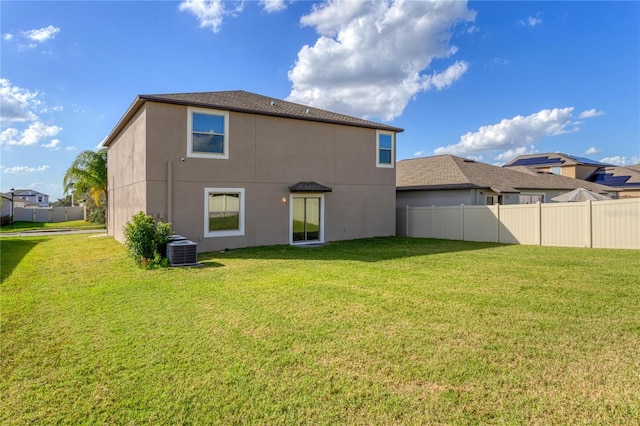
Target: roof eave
{"x":131,"y":111}
{"x":378,"y":126}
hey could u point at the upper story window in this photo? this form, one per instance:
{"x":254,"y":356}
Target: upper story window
{"x":207,"y":133}
{"x":556,"y":170}
{"x":385,"y":152}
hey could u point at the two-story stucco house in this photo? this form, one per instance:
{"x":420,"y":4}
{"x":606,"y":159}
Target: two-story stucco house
{"x":30,"y":197}
{"x":236,"y":169}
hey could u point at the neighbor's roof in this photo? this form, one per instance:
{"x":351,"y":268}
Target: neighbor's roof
{"x":553,"y":159}
{"x":444,"y":172}
{"x":26,"y":192}
{"x":618,"y":177}
{"x":247,"y":102}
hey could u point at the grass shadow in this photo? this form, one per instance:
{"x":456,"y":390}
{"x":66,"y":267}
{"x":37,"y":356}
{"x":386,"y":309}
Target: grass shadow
{"x":21,"y":226}
{"x":363,"y":250}
{"x":12,"y":251}
{"x":203,"y":264}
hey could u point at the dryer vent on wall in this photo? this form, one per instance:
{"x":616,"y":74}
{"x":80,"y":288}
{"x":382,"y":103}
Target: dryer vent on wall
{"x":182,"y":252}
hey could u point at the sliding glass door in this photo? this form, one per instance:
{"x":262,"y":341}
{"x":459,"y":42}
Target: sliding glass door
{"x":306,"y":217}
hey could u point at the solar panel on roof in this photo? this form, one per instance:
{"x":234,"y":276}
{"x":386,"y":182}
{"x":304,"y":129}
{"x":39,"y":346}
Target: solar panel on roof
{"x":588,"y":161}
{"x":609,"y":179}
{"x":534,"y":161}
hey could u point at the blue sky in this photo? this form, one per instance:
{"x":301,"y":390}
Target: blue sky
{"x":484,"y":80}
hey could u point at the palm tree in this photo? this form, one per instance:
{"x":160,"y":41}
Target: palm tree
{"x":88,"y":174}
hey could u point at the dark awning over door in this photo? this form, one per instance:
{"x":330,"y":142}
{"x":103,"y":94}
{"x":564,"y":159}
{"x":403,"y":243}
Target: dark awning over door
{"x":309,"y":187}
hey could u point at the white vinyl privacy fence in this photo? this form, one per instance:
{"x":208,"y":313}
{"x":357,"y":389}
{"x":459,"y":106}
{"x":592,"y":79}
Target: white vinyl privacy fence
{"x":601,"y":224}
{"x":48,"y":214}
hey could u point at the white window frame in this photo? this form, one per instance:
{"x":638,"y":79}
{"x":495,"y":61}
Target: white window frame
{"x":393,"y":149}
{"x":226,"y":233}
{"x":197,"y":154}
{"x":306,"y":195}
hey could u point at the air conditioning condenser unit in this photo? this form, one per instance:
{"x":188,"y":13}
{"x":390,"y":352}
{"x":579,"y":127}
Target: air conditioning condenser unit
{"x":183,"y":252}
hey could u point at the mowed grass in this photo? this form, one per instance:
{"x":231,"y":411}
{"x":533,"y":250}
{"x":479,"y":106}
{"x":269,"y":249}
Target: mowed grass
{"x":378,"y":331}
{"x":20,"y":226}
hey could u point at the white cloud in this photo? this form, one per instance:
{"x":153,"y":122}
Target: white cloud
{"x":7,"y":37}
{"x":513,"y":133}
{"x":273,"y":5}
{"x":531,"y":21}
{"x":445,"y":79}
{"x":34,"y":134}
{"x":592,"y":150}
{"x":210,"y":13}
{"x":370,"y":57}
{"x":8,"y":135}
{"x":500,"y":61}
{"x":42,"y":34}
{"x":24,"y":169}
{"x":70,"y":148}
{"x":509,"y":155}
{"x":16,"y":103}
{"x":418,"y":153}
{"x":53,"y":144}
{"x":590,"y":113}
{"x":621,"y":160}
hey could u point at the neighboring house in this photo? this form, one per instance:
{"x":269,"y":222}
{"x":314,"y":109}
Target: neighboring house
{"x":31,"y":197}
{"x":446,"y":180}
{"x":6,"y":205}
{"x":17,"y":202}
{"x":236,"y":169}
{"x":624,"y":180}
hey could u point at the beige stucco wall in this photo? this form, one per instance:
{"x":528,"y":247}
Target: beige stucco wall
{"x":126,"y":170}
{"x":266,"y":156}
{"x":629,"y":194}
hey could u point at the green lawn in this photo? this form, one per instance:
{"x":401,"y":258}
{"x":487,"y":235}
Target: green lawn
{"x":46,"y":226}
{"x":380,"y":331}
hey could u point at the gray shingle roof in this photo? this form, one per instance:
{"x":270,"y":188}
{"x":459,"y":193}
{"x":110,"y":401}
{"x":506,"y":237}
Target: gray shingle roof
{"x":451,"y":172}
{"x":247,"y":102}
{"x":553,"y":159}
{"x":309,"y":187}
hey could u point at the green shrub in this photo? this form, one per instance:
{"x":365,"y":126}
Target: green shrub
{"x":144,"y":238}
{"x":5,"y":220}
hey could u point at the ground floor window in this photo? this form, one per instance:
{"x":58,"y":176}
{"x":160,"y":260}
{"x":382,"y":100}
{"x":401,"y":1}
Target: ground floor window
{"x":307,"y":218}
{"x":223,"y":212}
{"x":531,"y":198}
{"x":492,"y":200}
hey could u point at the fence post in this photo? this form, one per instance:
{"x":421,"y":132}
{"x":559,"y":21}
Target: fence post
{"x":499,"y":221}
{"x":406,"y":234}
{"x":433,"y":208}
{"x":539,"y":222}
{"x":589,"y":224}
{"x":462,"y":221}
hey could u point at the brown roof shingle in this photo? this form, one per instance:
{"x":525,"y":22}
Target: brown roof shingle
{"x":451,"y":172}
{"x":247,"y":102}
